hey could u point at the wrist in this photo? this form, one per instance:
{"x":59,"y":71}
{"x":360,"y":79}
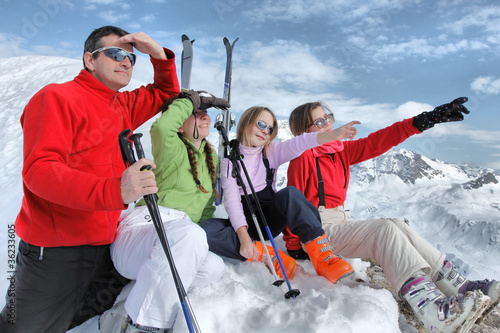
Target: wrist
{"x":160,"y":54}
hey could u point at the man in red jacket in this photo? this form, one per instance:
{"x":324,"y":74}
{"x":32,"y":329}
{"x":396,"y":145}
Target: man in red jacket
{"x":76,"y":185}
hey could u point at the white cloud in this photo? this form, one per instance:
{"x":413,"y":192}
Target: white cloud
{"x":486,"y":18}
{"x":481,"y":136}
{"x":486,"y":85}
{"x":111,"y":17}
{"x":370,"y":28}
{"x":12,"y":46}
{"x":422,"y":48}
{"x":149,"y":18}
{"x":370,"y":12}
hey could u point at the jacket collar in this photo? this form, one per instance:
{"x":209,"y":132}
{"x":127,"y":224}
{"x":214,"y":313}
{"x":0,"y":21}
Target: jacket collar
{"x":93,"y":85}
{"x":250,"y":150}
{"x":328,"y":148}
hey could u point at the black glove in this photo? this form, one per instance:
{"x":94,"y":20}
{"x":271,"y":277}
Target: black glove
{"x":441,"y":114}
{"x":203,"y":100}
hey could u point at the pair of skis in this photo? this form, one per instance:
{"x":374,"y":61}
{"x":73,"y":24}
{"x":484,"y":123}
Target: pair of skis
{"x":226,"y":118}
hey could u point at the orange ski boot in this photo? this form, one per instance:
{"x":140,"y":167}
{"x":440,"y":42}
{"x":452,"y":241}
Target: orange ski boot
{"x":325,"y":262}
{"x":289,"y":263}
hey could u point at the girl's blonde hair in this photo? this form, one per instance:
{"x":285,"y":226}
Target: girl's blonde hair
{"x":301,"y":117}
{"x":249,"y":119}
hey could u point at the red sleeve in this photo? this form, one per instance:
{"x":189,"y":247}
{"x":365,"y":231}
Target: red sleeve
{"x":379,"y":142}
{"x":46,"y":169}
{"x":145,"y":102}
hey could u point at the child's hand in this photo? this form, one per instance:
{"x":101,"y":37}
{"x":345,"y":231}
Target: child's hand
{"x":248,"y":250}
{"x":348,"y":131}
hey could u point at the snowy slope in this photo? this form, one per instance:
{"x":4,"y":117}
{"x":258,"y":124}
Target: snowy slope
{"x":445,"y":203}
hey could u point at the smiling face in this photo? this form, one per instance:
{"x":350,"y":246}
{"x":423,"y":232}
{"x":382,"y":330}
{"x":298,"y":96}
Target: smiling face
{"x":318,"y":113}
{"x":113,"y":74}
{"x":257,"y":137}
{"x":202,"y":123}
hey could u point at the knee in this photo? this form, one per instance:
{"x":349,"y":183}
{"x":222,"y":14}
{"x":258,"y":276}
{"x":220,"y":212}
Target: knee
{"x":196,"y":234}
{"x":400,"y":224}
{"x":289,"y":193}
{"x":387,"y":226}
{"x":292,"y":191}
{"x":185,"y":232}
{"x":217,"y":266}
{"x":213,"y":226}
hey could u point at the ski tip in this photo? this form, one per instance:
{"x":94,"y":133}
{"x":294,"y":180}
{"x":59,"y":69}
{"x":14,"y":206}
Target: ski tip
{"x":228,"y":43}
{"x":185,"y":38}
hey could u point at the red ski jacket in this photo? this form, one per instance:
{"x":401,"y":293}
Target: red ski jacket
{"x":335,"y":167}
{"x":72,"y":159}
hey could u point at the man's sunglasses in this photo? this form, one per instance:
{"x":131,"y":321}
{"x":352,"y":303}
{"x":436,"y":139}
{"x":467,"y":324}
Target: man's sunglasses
{"x":321,"y":122}
{"x":116,"y":53}
{"x":262,"y":125}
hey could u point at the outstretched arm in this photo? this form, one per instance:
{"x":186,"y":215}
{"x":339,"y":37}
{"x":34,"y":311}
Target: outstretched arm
{"x":347,"y":131}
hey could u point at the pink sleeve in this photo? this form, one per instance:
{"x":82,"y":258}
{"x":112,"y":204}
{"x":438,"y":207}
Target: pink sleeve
{"x":232,"y":197}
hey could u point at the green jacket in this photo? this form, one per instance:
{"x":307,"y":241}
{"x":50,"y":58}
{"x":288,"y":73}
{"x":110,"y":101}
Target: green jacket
{"x":177,"y":188}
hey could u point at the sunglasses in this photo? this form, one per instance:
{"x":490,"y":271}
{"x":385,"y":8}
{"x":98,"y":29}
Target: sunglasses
{"x":262,"y":125}
{"x":117,"y":53}
{"x":321,"y":122}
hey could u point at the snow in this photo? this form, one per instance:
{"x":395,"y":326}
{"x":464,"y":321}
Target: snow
{"x":454,"y":219}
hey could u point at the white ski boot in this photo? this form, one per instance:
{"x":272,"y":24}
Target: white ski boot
{"x":114,"y":320}
{"x":438,"y":313}
{"x":452,"y":281}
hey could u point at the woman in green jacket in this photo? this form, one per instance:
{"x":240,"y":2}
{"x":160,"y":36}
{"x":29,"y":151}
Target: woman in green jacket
{"x":185,"y":173}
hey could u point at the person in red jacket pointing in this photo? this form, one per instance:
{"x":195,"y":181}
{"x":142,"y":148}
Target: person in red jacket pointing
{"x":433,"y":284}
{"x":76,"y":185}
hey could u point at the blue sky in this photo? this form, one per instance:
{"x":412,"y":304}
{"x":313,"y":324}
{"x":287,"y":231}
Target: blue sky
{"x":374,"y":61}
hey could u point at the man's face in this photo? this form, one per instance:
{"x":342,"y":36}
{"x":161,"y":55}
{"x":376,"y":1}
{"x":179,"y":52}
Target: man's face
{"x":114,"y":74}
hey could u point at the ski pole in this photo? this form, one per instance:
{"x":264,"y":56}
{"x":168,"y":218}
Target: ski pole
{"x":236,"y":155}
{"x":292,"y":293}
{"x":152,"y":205}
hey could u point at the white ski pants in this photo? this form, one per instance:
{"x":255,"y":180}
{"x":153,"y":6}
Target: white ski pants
{"x":138,"y":255}
{"x":390,"y":242}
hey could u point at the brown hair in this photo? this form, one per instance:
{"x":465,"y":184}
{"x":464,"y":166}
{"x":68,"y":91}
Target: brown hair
{"x":194,"y":165}
{"x":249,"y":119}
{"x":93,"y":41}
{"x":301,"y":118}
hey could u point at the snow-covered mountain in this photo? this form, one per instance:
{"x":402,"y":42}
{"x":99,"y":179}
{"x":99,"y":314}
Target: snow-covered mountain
{"x":455,"y":207}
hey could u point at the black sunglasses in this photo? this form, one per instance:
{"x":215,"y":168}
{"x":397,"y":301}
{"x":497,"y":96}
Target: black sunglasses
{"x":262,"y":125}
{"x":117,"y":53}
{"x":321,"y":122}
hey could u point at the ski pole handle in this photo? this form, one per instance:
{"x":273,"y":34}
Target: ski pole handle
{"x":126,"y":148}
{"x":136,"y":138}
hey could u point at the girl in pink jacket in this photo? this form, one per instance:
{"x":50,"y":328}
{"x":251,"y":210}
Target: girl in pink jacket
{"x":235,"y":238}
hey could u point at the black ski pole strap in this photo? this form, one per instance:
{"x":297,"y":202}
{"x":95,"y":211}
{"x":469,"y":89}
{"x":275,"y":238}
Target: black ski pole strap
{"x":321,"y":183}
{"x":321,"y":187}
{"x":269,"y":171}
